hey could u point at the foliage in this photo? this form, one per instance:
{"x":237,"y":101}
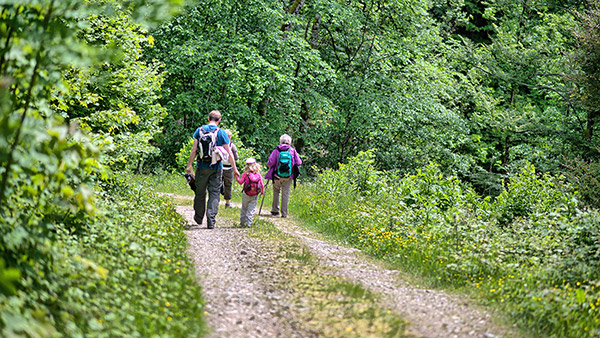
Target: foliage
{"x":585,"y":177}
{"x":586,"y":76}
{"x":337,"y":91}
{"x":529,"y":251}
{"x":481,"y":89}
{"x":238,"y":67}
{"x":530,"y":196}
{"x":115,"y":100}
{"x":48,"y":169}
{"x":357,"y":176}
{"x":125,"y":274}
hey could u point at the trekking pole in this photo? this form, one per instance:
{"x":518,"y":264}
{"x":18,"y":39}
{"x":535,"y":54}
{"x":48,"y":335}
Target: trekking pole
{"x":263,"y":199}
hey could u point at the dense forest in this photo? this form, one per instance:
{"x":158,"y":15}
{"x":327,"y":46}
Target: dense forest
{"x":481,"y":89}
{"x":479,"y":117}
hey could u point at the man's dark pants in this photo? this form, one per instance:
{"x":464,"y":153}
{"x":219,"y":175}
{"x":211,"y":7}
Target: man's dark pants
{"x":207,"y":180}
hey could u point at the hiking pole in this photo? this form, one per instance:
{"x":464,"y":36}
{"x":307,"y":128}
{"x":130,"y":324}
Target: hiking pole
{"x":263,"y":199}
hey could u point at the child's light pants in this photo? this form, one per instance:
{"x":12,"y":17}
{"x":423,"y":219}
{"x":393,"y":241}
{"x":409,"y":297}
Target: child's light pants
{"x":248,"y":206}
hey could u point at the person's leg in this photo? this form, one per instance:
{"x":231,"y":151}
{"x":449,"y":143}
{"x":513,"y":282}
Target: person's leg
{"x":286,"y":184}
{"x":214,"y":187}
{"x":200,"y":196}
{"x":227,"y":183}
{"x":250,"y":212}
{"x":244,"y":210}
{"x":276,"y":189}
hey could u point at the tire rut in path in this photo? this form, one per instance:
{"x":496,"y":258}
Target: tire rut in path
{"x":242,"y":298}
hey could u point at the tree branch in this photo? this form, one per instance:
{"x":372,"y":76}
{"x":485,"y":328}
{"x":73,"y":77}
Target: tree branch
{"x":34,"y":76}
{"x":335,"y":51}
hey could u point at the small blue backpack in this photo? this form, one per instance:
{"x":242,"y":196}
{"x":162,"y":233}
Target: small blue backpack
{"x":284,"y":164}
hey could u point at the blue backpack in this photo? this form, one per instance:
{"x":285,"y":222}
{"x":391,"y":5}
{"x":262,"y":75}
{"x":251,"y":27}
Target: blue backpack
{"x":284,"y":163}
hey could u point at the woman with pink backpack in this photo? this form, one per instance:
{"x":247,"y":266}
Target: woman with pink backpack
{"x":253,"y":185}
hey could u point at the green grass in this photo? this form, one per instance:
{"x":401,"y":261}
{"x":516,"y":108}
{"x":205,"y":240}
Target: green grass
{"x":165,"y":183}
{"x":303,"y":255}
{"x":351,"y":289}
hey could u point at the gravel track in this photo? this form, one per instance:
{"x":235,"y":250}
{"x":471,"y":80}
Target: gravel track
{"x":244,"y":299}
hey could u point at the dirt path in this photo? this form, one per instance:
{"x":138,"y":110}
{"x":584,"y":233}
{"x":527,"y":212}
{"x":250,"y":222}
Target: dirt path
{"x":248,"y":284}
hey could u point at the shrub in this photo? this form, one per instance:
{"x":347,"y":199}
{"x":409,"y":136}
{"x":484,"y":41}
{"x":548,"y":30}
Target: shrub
{"x":123,"y":272}
{"x":585,"y":178}
{"x":530,"y":195}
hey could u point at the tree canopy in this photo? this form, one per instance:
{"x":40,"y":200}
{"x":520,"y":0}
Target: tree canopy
{"x":480,"y":89}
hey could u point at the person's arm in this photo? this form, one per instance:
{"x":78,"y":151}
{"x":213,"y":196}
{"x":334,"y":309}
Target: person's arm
{"x":236,"y":173}
{"x":241,"y":179}
{"x":234,"y":151}
{"x":188,"y":169}
{"x":272,"y":161}
{"x":261,"y":186}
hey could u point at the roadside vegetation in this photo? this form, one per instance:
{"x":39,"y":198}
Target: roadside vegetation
{"x":531,"y":251}
{"x":122,"y":270}
{"x":84,"y":251}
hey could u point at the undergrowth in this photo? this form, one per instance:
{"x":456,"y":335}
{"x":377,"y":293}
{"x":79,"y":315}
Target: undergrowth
{"x":122,"y":272}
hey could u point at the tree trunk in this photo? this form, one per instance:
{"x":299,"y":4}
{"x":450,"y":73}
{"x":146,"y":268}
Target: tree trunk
{"x":591,"y":121}
{"x":294,"y":9}
{"x":506,"y":151}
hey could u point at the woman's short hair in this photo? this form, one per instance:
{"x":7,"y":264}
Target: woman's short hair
{"x":285,"y":138}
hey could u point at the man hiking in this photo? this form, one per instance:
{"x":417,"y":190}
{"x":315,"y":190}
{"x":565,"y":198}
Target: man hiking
{"x":211,"y":144}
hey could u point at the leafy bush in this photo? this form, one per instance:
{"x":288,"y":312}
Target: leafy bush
{"x":530,"y":196}
{"x":115,"y":100}
{"x":125,"y":273}
{"x":358,"y":176}
{"x":74,"y":265}
{"x":585,"y":177}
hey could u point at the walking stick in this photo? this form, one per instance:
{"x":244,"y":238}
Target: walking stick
{"x":263,"y":199}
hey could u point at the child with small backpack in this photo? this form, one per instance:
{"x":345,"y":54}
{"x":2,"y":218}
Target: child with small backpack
{"x":252,"y":186}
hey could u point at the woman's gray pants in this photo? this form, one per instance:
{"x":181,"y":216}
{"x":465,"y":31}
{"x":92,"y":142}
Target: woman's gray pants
{"x":282,"y":185}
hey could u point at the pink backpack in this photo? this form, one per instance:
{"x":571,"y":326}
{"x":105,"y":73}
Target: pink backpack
{"x":251,"y":184}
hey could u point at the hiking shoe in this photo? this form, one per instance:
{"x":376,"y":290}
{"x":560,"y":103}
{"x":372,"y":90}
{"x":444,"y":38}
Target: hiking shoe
{"x":210,"y":226}
{"x":274,"y":213}
{"x":227,"y":205}
{"x":283,"y":216}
